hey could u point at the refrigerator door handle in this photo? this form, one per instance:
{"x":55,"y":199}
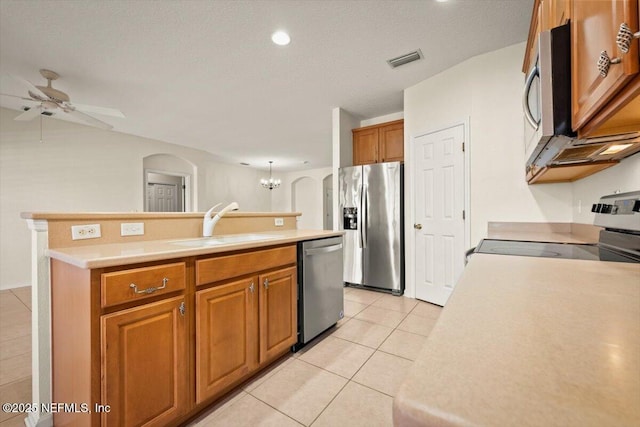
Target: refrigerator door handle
{"x":359,"y":221}
{"x":363,"y":231}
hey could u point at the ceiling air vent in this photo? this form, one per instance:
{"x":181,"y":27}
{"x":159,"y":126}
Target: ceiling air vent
{"x":405,"y":59}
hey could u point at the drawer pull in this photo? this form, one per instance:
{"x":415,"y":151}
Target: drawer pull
{"x":149,"y":290}
{"x":625,"y":37}
{"x":604,"y":62}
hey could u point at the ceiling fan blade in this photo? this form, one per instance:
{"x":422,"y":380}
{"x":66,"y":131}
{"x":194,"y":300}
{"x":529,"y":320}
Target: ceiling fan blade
{"x":16,"y":96}
{"x":112,"y":112}
{"x":30,"y":114}
{"x":32,"y":88}
{"x":89,"y":120}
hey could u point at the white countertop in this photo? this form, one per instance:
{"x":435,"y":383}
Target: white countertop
{"x":531,"y":341}
{"x":108,"y":255}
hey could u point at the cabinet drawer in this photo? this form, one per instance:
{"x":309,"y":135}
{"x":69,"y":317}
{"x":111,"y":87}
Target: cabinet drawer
{"x":140,"y":283}
{"x":225,"y":267}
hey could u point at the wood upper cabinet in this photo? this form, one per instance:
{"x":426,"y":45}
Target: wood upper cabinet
{"x":145,"y":364}
{"x":594,"y":27}
{"x":379,"y":143}
{"x":547,"y":14}
{"x":365,"y":146}
{"x":278,"y":313}
{"x":226,"y":335}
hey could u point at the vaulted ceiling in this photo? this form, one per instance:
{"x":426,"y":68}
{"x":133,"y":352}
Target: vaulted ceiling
{"x":205,"y":74}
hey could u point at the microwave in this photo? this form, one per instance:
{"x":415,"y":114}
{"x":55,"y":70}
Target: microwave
{"x":546,"y":100}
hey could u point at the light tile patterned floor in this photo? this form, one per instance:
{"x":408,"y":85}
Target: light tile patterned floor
{"x":15,"y":351}
{"x":349,"y":373}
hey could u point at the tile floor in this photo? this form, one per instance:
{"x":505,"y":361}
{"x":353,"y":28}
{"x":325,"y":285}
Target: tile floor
{"x":15,"y":351}
{"x":348,"y":376}
{"x":349,"y":373}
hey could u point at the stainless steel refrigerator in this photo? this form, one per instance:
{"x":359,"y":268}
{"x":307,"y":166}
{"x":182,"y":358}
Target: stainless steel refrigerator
{"x":371,"y":204}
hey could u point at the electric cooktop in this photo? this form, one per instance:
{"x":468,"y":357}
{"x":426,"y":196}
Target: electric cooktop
{"x":592,"y":252}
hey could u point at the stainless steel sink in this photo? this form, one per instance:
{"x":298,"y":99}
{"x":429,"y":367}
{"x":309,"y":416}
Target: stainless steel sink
{"x":223,"y":240}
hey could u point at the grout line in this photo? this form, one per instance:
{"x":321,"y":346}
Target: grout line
{"x":21,"y":302}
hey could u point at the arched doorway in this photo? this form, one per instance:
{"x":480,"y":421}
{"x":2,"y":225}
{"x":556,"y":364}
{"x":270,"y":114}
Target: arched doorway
{"x":168,"y":184}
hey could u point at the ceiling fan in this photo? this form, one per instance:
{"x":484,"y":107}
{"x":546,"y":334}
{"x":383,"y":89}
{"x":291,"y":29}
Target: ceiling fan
{"x":47,"y":99}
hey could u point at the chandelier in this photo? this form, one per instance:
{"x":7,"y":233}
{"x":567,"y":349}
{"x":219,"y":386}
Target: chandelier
{"x":270,"y":183}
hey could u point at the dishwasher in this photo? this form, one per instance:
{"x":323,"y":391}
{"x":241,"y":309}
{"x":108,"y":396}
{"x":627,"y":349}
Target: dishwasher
{"x":320,"y":287}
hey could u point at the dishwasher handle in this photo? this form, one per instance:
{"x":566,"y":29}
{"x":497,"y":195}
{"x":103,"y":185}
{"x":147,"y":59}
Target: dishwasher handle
{"x":323,"y":250}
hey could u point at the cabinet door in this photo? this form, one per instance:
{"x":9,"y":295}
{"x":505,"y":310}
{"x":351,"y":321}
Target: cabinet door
{"x":392,"y":143}
{"x":365,"y":146}
{"x":144,"y":364}
{"x":594,"y":26}
{"x":278,"y":312}
{"x":226,"y":335}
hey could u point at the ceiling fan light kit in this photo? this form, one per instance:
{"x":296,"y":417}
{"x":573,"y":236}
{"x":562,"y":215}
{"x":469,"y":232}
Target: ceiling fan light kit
{"x":49,"y":99}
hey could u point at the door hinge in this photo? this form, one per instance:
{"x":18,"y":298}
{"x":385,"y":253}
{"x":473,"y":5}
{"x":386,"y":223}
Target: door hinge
{"x":463,"y":214}
{"x":463,"y":147}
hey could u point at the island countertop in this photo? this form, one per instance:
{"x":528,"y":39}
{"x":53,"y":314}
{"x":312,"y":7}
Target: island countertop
{"x":113,"y":254}
{"x":531,"y":341}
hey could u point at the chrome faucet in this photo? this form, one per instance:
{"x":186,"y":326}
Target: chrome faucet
{"x":209,"y":222}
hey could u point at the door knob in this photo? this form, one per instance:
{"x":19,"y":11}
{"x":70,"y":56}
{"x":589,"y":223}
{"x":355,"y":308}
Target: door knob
{"x":417,"y":226}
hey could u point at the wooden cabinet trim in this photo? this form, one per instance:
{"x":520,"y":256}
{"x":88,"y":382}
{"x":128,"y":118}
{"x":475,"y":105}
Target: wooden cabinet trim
{"x":278,"y":313}
{"x":377,"y":143}
{"x":224,"y":267}
{"x":115,"y":287}
{"x":590,"y":92}
{"x":217,"y":348}
{"x":116,"y":343}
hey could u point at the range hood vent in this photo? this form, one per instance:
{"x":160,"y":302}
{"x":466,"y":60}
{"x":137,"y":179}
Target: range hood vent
{"x":405,"y":59}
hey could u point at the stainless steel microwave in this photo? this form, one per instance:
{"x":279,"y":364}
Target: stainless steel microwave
{"x":546,"y":100}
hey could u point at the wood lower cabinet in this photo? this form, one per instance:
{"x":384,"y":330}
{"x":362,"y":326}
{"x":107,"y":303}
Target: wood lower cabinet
{"x":226,"y":335}
{"x":278,"y":313}
{"x":379,"y":143}
{"x":145,"y":364}
{"x":189,"y":331}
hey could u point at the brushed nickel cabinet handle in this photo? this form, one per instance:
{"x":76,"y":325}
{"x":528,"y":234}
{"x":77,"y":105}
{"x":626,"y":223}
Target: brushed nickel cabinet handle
{"x":605,"y":62}
{"x":266,"y":283}
{"x":149,"y":290}
{"x":625,"y":37}
{"x":251,"y":287}
{"x":182,"y":309}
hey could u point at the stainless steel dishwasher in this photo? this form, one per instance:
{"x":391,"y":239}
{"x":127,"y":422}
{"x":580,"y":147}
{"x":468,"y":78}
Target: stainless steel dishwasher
{"x":320,"y":287}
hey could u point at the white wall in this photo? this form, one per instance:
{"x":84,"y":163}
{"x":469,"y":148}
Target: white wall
{"x":486,"y":90}
{"x":342,"y":145}
{"x":302,"y":192}
{"x":80,"y":168}
{"x":621,"y":178}
{"x":382,"y":119}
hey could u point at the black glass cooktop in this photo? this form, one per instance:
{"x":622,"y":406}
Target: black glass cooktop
{"x":552,"y":250}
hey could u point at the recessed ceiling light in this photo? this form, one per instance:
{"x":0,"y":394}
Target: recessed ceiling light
{"x":280,"y":38}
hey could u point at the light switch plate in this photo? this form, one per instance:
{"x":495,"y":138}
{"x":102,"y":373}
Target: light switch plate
{"x":279,"y":222}
{"x":88,"y":231}
{"x":132,"y":229}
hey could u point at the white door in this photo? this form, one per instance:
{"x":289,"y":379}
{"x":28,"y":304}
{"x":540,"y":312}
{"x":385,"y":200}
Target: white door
{"x":439,"y":205}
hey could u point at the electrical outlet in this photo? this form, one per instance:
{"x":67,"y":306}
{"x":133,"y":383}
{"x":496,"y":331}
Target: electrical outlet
{"x":132,"y":229}
{"x":88,"y":231}
{"x":279,"y":222}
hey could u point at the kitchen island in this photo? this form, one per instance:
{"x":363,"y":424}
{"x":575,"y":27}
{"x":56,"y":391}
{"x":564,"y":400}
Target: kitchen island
{"x":154,"y":328}
{"x":531,"y":341}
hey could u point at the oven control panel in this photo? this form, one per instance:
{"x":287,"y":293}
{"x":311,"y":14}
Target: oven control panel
{"x":618,"y":211}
